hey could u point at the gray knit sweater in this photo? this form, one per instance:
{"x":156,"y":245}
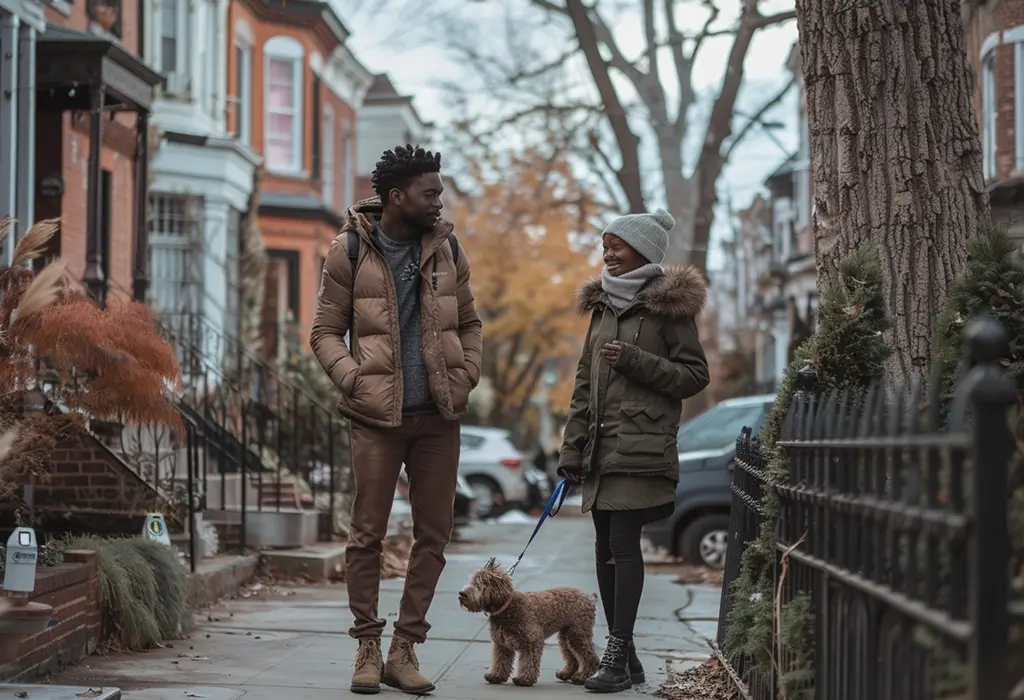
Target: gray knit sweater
{"x":404,"y":260}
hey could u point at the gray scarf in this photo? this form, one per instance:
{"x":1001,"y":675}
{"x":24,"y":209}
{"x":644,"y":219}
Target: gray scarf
{"x":623,"y":289}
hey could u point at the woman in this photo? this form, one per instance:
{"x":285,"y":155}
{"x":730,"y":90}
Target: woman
{"x":641,"y":358}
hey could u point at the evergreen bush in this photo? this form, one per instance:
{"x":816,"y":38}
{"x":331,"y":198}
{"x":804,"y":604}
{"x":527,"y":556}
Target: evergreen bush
{"x":846,"y":353}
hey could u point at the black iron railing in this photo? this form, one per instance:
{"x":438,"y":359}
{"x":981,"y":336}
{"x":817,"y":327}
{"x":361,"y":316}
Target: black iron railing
{"x":893,"y":528}
{"x":253,"y":424}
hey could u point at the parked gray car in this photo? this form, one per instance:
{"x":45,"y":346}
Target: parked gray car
{"x":698,"y":529}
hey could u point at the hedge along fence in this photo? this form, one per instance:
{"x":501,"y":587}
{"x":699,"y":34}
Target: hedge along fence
{"x":143,"y":591}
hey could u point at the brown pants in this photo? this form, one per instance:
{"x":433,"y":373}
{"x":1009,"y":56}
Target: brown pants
{"x":429,"y":447}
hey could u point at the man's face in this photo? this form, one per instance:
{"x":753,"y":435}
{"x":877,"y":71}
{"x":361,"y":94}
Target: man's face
{"x":420,"y":205}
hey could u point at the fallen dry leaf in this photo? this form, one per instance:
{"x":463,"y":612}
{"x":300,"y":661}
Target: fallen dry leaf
{"x":705,"y":682}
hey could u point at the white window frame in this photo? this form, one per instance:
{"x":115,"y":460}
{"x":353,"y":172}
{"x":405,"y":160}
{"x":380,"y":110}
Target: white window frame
{"x":1018,"y":105}
{"x":243,"y":90}
{"x":349,"y":144}
{"x":288,"y":49}
{"x":988,"y":115}
{"x":327,"y":145}
{"x":178,"y":78}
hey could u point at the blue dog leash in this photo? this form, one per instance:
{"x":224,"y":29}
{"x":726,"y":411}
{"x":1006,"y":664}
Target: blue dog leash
{"x":552,"y":509}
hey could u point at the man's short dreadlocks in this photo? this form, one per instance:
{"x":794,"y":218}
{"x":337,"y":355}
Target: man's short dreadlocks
{"x":396,"y":169}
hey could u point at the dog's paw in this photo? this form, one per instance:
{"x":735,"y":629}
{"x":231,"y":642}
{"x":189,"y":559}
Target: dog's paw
{"x":524,"y":682}
{"x":564,"y":675}
{"x":579,"y":679}
{"x":493,"y":679}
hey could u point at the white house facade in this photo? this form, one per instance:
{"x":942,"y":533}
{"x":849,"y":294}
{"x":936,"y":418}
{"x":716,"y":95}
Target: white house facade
{"x":386,"y":119}
{"x":201,"y":175}
{"x":20,"y":22}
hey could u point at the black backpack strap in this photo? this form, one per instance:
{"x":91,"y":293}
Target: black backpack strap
{"x":454,"y":243}
{"x":353,"y":261}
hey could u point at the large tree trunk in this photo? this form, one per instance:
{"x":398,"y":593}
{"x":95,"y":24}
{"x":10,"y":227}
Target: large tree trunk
{"x":896,"y":157}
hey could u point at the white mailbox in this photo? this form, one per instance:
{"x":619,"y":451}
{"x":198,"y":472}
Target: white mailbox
{"x":156,"y":529}
{"x":22,"y":552}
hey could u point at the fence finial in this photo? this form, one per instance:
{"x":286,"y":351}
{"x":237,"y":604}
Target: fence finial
{"x":805,"y":378}
{"x":988,"y":341}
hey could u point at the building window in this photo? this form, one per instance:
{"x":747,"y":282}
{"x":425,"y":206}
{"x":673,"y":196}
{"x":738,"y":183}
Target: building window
{"x":211,"y":54}
{"x":283,"y":126}
{"x":988,"y":116}
{"x":348,"y":174}
{"x":243,"y":92}
{"x":176,"y":252}
{"x":106,"y":14}
{"x":327,"y":162}
{"x":172,"y":20}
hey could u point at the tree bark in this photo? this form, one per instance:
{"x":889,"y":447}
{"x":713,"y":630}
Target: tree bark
{"x":896,"y":157}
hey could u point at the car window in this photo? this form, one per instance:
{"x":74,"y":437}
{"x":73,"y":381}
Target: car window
{"x":471,"y":442}
{"x":719,"y":427}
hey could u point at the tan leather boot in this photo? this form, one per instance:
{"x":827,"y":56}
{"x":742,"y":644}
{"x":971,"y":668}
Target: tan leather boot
{"x":402,"y":670}
{"x":369,"y":666}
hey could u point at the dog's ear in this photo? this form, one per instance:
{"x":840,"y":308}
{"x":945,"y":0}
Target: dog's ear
{"x":491,"y":565}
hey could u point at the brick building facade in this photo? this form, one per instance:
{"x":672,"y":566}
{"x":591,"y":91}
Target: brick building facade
{"x":995,"y":49}
{"x":306,"y":88}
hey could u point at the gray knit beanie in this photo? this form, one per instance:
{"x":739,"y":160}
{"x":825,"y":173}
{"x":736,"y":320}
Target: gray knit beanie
{"x":647,"y":234}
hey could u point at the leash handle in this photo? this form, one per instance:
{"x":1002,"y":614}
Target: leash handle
{"x":553,"y":507}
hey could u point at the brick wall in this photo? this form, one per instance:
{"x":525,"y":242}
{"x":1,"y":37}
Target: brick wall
{"x":87,"y":478}
{"x":73,"y":589}
{"x":982,"y":21}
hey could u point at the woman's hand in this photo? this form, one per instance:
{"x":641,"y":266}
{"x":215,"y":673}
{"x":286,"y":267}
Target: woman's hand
{"x":612,"y":352}
{"x":574,"y":475}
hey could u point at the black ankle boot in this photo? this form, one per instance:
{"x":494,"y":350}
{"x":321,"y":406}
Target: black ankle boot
{"x":613,"y":674}
{"x":636,"y":669}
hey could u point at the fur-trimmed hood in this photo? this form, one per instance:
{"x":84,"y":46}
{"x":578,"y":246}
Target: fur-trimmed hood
{"x":680,"y":293}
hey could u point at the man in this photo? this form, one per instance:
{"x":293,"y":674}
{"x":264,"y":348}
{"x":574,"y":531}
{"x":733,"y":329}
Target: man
{"x":405,"y":375}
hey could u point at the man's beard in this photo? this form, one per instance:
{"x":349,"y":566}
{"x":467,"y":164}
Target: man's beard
{"x":418,"y":223}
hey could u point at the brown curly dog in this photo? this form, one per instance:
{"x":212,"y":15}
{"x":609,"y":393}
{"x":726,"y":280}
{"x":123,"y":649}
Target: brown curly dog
{"x":521,"y":622}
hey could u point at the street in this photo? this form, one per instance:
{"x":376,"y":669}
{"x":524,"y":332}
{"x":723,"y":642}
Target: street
{"x":295,"y":641}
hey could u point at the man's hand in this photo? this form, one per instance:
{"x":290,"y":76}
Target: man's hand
{"x":612,"y":352}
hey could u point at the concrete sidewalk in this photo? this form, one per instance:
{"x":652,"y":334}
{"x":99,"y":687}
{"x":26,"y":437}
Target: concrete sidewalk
{"x":293,"y":643}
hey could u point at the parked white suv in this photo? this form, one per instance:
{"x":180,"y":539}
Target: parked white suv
{"x":494,"y":469}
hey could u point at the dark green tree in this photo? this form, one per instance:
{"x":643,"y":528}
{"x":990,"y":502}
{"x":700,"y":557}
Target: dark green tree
{"x":847,"y":351}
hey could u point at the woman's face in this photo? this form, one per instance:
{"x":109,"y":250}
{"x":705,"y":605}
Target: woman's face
{"x":619,"y":258}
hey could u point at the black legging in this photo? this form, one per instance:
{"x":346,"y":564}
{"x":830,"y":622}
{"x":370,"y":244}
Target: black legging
{"x":620,"y":564}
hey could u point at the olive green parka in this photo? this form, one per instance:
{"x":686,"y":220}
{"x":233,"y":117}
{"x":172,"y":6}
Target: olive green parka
{"x":623,"y":419}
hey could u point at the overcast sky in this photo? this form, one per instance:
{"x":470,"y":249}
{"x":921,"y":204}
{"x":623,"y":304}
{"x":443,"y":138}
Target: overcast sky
{"x":406,"y":39}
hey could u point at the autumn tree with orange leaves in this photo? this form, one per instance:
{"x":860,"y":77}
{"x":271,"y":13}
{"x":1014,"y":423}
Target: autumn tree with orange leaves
{"x":527,"y":229}
{"x":65,"y":361}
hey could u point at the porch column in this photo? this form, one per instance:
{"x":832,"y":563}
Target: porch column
{"x":141,"y":280}
{"x":8,"y":124}
{"x":93,"y":277}
{"x":25,"y":173}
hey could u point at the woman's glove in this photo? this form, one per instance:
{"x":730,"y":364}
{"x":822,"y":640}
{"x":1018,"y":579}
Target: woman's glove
{"x":621,"y":356}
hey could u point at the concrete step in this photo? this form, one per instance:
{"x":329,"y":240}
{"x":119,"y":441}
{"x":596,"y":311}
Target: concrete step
{"x":324,"y":561}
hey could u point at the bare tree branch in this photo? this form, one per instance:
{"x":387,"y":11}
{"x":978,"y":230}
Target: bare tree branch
{"x":629,"y":174}
{"x":758,"y":116}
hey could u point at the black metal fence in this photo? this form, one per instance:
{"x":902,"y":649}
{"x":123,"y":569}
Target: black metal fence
{"x":893,"y":527}
{"x":253,"y":441}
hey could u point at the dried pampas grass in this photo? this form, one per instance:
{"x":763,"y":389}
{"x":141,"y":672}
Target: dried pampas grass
{"x":34,"y":242}
{"x":42,"y":291}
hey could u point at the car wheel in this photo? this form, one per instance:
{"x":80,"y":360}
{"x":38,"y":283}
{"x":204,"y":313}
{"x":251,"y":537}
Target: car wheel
{"x":705,"y":541}
{"x":486,"y":495}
